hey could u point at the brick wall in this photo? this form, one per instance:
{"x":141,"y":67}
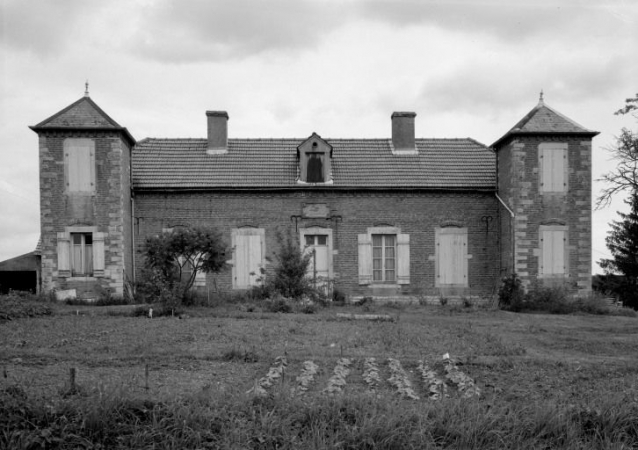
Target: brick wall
{"x":106,"y":209}
{"x":518,"y":167}
{"x":417,"y":214}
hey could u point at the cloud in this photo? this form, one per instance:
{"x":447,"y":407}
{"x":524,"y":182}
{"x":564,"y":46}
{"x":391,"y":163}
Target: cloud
{"x":514,"y":20}
{"x":43,"y":27}
{"x":213,"y":30}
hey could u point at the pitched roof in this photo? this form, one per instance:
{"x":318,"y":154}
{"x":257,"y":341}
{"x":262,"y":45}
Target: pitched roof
{"x":82,"y":114}
{"x":544,"y":120}
{"x":272,"y":163}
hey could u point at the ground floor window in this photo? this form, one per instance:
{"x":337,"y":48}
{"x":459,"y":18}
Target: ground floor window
{"x":82,"y":254}
{"x":553,"y":251}
{"x":248,"y":256}
{"x":451,"y":257}
{"x":384,"y":257}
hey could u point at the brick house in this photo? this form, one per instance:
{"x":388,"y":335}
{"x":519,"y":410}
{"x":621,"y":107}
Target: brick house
{"x":397,"y":218}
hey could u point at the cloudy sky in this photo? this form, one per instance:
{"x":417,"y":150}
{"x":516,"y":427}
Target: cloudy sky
{"x":286,"y":68}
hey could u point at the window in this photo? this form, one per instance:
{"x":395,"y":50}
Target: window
{"x":553,"y":243}
{"x":79,"y":165}
{"x":315,"y":168}
{"x":451,"y":257}
{"x":314,"y":160}
{"x":384,"y":256}
{"x":82,"y":254}
{"x":248,"y":256}
{"x":553,"y":167}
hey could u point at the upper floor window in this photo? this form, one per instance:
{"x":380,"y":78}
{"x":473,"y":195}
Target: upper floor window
{"x":79,"y":165}
{"x":314,"y":160}
{"x":553,"y":167}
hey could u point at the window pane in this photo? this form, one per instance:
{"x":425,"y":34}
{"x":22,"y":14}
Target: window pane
{"x":389,"y":241}
{"x":377,"y":275}
{"x":88,"y":259}
{"x":389,"y":275}
{"x":377,"y":240}
{"x":88,"y":239}
{"x":310,"y":239}
{"x":389,"y":264}
{"x":322,"y":239}
{"x":77,"y":238}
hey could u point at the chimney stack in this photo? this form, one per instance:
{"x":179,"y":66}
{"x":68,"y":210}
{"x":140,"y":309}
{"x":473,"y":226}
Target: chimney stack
{"x":217,"y":132}
{"x":403,"y":132}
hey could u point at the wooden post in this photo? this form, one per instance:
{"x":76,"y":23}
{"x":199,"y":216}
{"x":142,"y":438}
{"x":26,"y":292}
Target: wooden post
{"x":72,"y":373}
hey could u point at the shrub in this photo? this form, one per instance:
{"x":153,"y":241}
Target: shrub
{"x":548,"y":299}
{"x":279,"y":305}
{"x":338,"y":296}
{"x":291,"y":268}
{"x":510,"y":293}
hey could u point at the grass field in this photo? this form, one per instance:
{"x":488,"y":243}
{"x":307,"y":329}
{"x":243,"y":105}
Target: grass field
{"x":546,"y":381}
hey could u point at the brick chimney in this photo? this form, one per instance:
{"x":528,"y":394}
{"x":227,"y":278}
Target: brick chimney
{"x":217,"y":132}
{"x":403,"y":132}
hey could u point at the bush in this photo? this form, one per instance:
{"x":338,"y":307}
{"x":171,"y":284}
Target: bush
{"x":279,"y":305}
{"x":548,"y":299}
{"x":291,"y":268}
{"x":510,"y":293}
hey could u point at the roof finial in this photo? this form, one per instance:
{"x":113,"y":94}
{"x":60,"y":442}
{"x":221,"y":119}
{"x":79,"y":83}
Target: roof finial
{"x":86,"y":88}
{"x":540,"y":99}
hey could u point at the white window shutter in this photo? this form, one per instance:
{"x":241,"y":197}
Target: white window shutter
{"x":403,"y":259}
{"x":64,"y":255}
{"x":98,"y":254}
{"x":365,"y":259}
{"x":254,"y":259}
{"x":248,"y":256}
{"x":452,"y":257}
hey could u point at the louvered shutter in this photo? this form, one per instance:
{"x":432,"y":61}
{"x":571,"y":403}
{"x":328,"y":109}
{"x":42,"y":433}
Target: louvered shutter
{"x":403,"y":259}
{"x":365,"y":259}
{"x":64,"y":255}
{"x":98,"y":254}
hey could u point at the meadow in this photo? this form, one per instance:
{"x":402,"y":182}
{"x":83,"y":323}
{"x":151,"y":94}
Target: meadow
{"x":543,"y":381}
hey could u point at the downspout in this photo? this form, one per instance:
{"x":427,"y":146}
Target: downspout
{"x":513,"y":235}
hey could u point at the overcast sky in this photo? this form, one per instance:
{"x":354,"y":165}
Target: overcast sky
{"x":286,"y":68}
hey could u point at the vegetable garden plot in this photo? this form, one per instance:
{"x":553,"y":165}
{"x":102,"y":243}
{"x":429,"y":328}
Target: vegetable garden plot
{"x":389,"y":377}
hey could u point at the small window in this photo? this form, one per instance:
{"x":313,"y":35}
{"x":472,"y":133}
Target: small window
{"x":82,"y":254}
{"x":315,"y":240}
{"x":79,"y":162}
{"x":315,"y":168}
{"x":553,"y":167}
{"x":383,"y":257}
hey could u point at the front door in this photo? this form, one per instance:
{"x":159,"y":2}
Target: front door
{"x":319,"y":269}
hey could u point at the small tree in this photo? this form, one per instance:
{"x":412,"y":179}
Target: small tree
{"x":622,"y":242}
{"x":178,"y":257}
{"x":290,"y":276}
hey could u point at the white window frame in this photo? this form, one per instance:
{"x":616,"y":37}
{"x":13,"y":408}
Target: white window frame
{"x":64,"y":251}
{"x":464,"y":271}
{"x":552,"y":232}
{"x":383,"y":279}
{"x":402,"y":257}
{"x":254,"y":280}
{"x":73,"y":182}
{"x":553,"y":179}
{"x":303,"y":232}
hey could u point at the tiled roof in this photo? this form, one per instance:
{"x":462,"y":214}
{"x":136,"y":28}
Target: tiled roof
{"x":84,"y":113}
{"x":273,"y":163}
{"x":544,"y":120}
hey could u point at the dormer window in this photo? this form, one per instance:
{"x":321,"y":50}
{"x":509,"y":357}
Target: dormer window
{"x":315,"y":160}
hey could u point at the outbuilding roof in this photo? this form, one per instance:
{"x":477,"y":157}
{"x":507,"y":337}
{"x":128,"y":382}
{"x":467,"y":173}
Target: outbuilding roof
{"x":169,"y":164}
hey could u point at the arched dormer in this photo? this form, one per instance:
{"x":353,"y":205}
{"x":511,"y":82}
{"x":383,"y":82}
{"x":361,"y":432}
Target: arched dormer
{"x":315,"y":160}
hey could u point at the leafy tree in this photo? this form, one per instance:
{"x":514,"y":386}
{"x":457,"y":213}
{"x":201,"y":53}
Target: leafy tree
{"x":178,"y":257}
{"x":291,"y":267}
{"x":625,"y":176}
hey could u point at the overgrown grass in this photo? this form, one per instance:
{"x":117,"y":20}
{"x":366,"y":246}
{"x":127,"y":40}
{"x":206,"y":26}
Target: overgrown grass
{"x":18,"y":304}
{"x":228,"y":420}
